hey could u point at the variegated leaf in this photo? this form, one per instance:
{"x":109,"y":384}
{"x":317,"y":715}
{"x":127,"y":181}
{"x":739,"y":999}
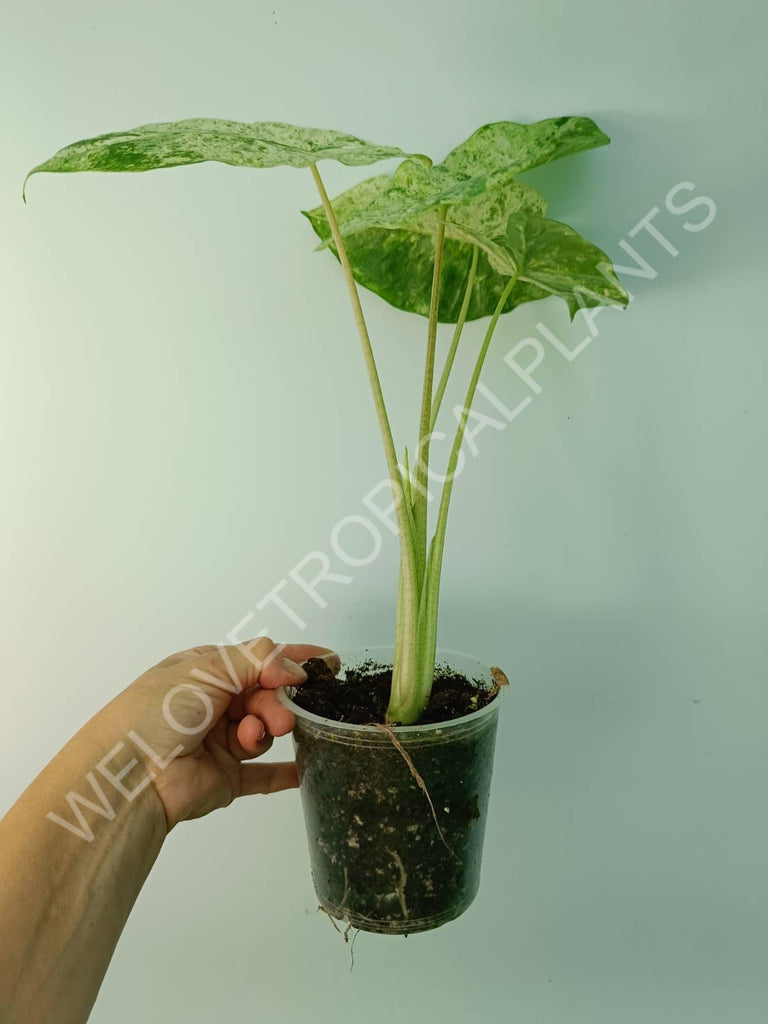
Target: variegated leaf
{"x":173,"y":143}
{"x":489,"y":157}
{"x":396,"y":263}
{"x":520,"y":147}
{"x":554,"y":257}
{"x":389,"y":223}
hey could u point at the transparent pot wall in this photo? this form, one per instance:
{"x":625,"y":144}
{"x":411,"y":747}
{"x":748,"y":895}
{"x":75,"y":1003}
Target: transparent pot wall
{"x":382,"y":858}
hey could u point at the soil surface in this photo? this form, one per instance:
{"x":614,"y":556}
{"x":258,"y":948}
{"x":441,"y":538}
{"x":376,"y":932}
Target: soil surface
{"x":362,"y":697}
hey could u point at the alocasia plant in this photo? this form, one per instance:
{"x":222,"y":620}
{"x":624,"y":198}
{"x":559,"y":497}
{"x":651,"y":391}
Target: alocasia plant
{"x":452,"y":241}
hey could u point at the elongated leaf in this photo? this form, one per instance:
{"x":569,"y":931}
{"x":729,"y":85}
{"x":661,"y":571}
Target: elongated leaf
{"x":554,"y":257}
{"x":170,"y":144}
{"x":396,"y":263}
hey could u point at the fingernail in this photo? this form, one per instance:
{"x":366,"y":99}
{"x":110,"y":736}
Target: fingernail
{"x":293,"y":670}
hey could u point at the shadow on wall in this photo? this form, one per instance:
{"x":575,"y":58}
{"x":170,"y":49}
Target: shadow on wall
{"x":606,"y":192}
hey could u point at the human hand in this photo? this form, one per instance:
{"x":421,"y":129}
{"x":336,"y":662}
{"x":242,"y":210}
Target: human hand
{"x":200,"y":716}
{"x":176,"y":743}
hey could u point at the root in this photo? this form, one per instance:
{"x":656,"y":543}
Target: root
{"x":329,"y":915}
{"x":400,"y":888}
{"x":350,"y":927}
{"x":418,"y":779}
{"x":352,"y":949}
{"x":346,"y":888}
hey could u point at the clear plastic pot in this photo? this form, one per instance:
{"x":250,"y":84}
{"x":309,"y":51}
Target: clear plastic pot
{"x":384,"y":856}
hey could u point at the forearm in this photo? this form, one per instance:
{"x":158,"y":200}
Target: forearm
{"x":64,"y":900}
{"x":175,"y":744}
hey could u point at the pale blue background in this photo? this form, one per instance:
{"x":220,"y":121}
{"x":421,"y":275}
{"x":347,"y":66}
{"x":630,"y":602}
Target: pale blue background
{"x":185,"y":416}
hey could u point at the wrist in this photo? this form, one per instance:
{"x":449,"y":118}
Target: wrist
{"x":100,"y":780}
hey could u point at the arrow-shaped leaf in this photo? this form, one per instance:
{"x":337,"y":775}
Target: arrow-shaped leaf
{"x":173,"y":143}
{"x":389,"y":223}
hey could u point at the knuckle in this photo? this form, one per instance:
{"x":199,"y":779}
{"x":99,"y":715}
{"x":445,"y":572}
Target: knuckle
{"x":259,"y":649}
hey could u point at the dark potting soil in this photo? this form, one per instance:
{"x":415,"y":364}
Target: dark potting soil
{"x":362,"y":697}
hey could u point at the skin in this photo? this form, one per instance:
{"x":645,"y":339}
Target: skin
{"x":64,"y":900}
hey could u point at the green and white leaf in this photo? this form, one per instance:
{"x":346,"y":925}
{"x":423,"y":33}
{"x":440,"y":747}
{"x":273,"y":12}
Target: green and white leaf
{"x":415,"y":190}
{"x":173,"y":143}
{"x":396,"y":263}
{"x":520,"y":147}
{"x":554,"y":257}
{"x":489,"y":157}
{"x":389,"y":223}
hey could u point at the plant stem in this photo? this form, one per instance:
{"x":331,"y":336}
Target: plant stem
{"x":422,"y":449}
{"x":406,"y":633}
{"x":437,"y":400}
{"x":370,"y":361}
{"x":454,"y":457}
{"x":407,"y":478}
{"x":430,"y":598}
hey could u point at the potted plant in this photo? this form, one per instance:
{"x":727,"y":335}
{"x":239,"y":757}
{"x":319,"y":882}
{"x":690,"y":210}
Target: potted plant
{"x":395,"y":755}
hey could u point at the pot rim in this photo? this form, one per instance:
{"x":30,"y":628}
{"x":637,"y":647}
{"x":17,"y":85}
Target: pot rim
{"x":442,"y":655}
